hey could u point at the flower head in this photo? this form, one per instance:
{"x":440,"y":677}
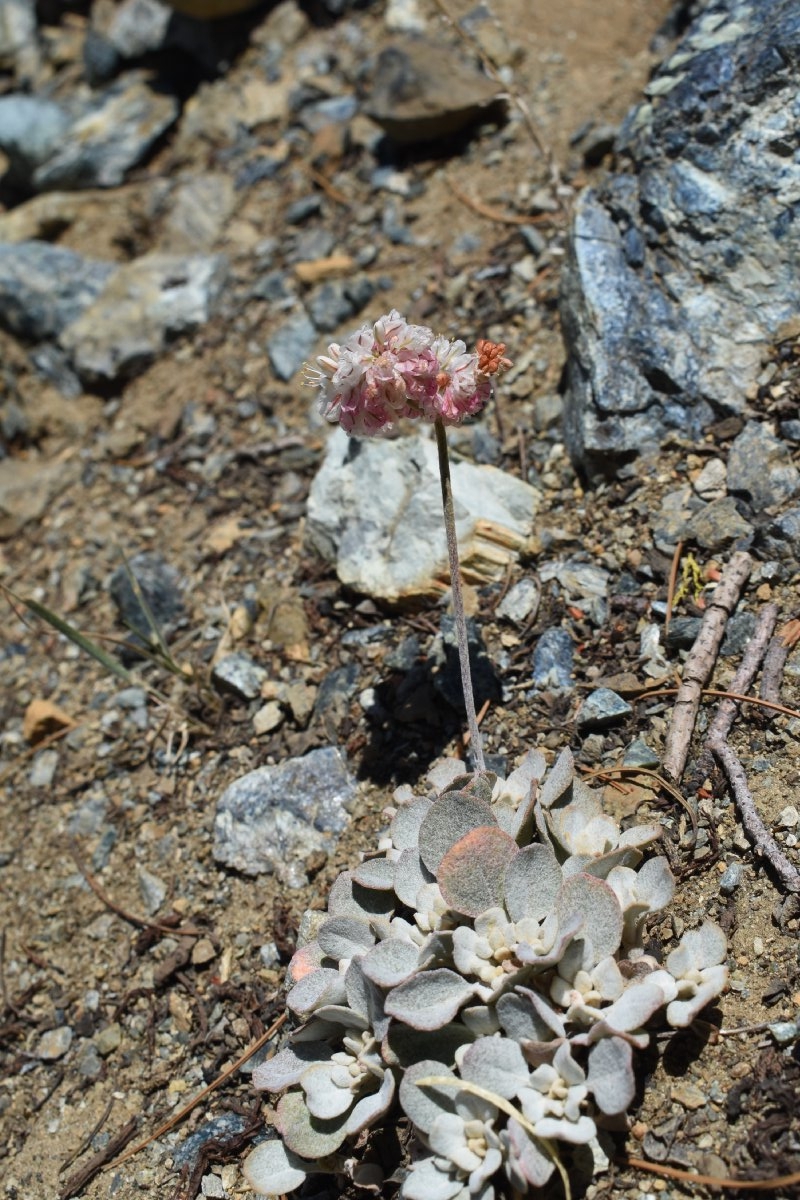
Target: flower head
{"x":392,"y":369}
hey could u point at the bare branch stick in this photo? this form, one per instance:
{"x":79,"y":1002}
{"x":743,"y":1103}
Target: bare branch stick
{"x":700,"y":663}
{"x":763,"y":841}
{"x":754,"y":653}
{"x":774,"y":663}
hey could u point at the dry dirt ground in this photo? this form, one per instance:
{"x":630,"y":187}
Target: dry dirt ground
{"x":156,"y":1016}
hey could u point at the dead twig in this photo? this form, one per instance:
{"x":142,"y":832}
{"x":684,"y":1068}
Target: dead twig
{"x":700,"y":663}
{"x":187,"y":1108}
{"x":717,"y":692}
{"x":763,"y":841}
{"x":755,"y":1185}
{"x":673,"y":580}
{"x":132,"y":918}
{"x":491,"y":213}
{"x":77,"y":1182}
{"x":752,"y":658}
{"x":774,"y":662}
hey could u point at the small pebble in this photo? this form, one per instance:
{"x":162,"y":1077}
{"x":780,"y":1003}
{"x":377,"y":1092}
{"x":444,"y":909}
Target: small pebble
{"x":239,"y":676}
{"x":688,"y":1095}
{"x":731,"y":879}
{"x":789,"y":818}
{"x":54,"y":1043}
{"x":784,"y":1032}
{"x":108,"y":1040}
{"x":203,"y":952}
{"x":269,"y":717}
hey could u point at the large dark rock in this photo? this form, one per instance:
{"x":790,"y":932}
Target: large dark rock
{"x":682,"y":267}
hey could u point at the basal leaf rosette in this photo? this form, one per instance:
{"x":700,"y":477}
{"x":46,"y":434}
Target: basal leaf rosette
{"x":492,"y":945}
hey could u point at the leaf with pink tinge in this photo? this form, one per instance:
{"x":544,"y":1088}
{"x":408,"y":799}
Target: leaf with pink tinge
{"x":429,"y":1000}
{"x":471,"y":874}
{"x":305,"y":959}
{"x":531,"y":884}
{"x":496,"y":1064}
{"x":390,"y":962}
{"x":699,"y":948}
{"x":610,"y":1075}
{"x":449,"y":818}
{"x":422,"y":1105}
{"x":272,"y":1170}
{"x":594,"y":902}
{"x":363,"y":997}
{"x":304,"y":1134}
{"x":370,"y":1107}
{"x":288,"y":1065}
{"x":344,"y":937}
{"x":323,"y":986}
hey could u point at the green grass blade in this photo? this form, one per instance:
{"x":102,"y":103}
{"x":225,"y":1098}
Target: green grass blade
{"x":79,"y":639}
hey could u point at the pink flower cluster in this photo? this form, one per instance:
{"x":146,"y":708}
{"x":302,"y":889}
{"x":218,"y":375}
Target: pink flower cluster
{"x":391,"y":369}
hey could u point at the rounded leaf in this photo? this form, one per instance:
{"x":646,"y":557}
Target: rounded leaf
{"x":323,"y":986}
{"x":345,"y":937}
{"x":429,"y":1000}
{"x":272,"y":1170}
{"x":404,"y":829}
{"x":404,"y":1046}
{"x":448,"y":819}
{"x":376,"y":874}
{"x":532,"y":882}
{"x":472,"y":872}
{"x":496,"y":1064}
{"x":288,"y":1065}
{"x":610,"y":1076}
{"x":390,"y":962}
{"x":369,"y":1108}
{"x":306,"y":1135}
{"x":409,"y":876}
{"x":558,"y":779}
{"x":422,"y":1105}
{"x":593,"y":901}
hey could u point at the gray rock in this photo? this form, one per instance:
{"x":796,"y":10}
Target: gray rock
{"x":31,"y":130}
{"x":718,"y":525}
{"x":198,"y":211}
{"x":17,"y":32}
{"x":28,"y":487}
{"x":731,"y":878}
{"x":600,"y":710}
{"x":113,"y":135}
{"x":553,"y":660}
{"x":291,"y":344}
{"x":88,"y":1062}
{"x":521,"y":602}
{"x":152,"y":890}
{"x":760,"y":469}
{"x":681,"y":267}
{"x":160,"y":584}
{"x":219,"y":1128}
{"x":781,"y":537}
{"x":43,"y":768}
{"x":375,"y":510}
{"x":44,"y":288}
{"x":582,"y":583}
{"x":238,"y":675}
{"x":272,"y":819}
{"x":639,"y":754}
{"x":423,"y":92}
{"x":333,"y":303}
{"x":146,"y":302}
{"x":138,"y":27}
{"x":100,"y":58}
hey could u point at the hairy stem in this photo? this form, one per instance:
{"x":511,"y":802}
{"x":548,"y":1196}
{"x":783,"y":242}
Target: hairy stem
{"x":458,"y":595}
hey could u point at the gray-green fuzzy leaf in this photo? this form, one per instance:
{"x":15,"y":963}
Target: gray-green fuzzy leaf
{"x":429,"y":1000}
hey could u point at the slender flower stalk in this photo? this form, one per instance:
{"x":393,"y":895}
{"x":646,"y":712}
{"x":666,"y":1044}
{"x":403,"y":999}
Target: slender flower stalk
{"x":458,"y":595}
{"x":390,"y":370}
